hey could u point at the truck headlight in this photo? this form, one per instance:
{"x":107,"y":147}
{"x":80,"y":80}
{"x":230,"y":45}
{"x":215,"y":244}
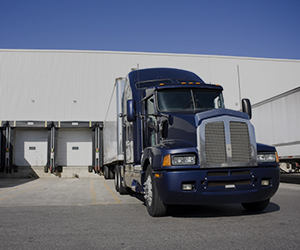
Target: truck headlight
{"x":182,"y":160}
{"x":267,"y":157}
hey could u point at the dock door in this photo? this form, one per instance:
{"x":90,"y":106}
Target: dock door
{"x":75,"y":144}
{"x":31,"y":147}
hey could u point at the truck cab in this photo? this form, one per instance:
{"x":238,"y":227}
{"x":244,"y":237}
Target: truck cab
{"x":182,"y":146}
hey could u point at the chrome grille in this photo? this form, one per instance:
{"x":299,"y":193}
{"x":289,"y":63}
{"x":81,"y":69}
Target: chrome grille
{"x":215,"y":145}
{"x":227,"y":143}
{"x":240,"y":142}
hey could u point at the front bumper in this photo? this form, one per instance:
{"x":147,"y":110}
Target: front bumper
{"x":212,"y":186}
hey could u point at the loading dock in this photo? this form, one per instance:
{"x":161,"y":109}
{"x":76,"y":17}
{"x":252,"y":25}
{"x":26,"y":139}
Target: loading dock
{"x":74,"y":147}
{"x":41,"y":148}
{"x":26,"y":147}
{"x":80,"y":144}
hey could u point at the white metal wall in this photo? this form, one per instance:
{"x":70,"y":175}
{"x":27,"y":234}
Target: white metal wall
{"x":76,"y":85}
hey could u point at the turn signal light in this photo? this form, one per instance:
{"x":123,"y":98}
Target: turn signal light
{"x":167,"y":161}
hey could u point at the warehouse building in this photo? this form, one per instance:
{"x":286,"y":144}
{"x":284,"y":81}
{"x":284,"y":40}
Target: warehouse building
{"x":53,"y":103}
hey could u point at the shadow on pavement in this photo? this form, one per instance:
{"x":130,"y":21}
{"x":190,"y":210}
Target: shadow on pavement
{"x":12,"y":182}
{"x":293,"y":178}
{"x":224,"y":210}
{"x":221,"y":210}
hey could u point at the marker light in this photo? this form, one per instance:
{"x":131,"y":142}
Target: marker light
{"x":158,"y":175}
{"x":276,"y":155}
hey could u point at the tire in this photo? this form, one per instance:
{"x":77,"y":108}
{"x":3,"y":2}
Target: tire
{"x":155,"y":206}
{"x":106,"y":172}
{"x":122,"y":189}
{"x":111,"y":173}
{"x":116,"y":178}
{"x":256,"y":206}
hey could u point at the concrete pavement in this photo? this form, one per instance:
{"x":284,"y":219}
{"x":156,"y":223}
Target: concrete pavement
{"x":60,"y":192}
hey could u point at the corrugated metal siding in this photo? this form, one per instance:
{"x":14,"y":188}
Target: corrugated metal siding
{"x":277,"y":122}
{"x":76,"y":85}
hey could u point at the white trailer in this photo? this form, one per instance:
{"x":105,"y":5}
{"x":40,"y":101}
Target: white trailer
{"x":112,"y":131}
{"x":278,"y":124}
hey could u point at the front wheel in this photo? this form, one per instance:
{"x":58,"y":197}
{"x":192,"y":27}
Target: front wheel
{"x":153,"y":202}
{"x":256,"y":206}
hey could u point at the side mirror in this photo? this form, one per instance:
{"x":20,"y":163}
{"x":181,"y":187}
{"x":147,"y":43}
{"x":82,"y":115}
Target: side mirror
{"x":246,"y":107}
{"x":163,"y":128}
{"x":131,"y":111}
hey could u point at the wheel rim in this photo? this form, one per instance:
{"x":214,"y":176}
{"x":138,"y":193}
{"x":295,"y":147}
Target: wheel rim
{"x":148,"y":191}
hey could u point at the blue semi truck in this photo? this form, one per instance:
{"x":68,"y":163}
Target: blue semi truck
{"x":176,"y":143}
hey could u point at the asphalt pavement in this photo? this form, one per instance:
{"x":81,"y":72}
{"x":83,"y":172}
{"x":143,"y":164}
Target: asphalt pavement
{"x":83,"y":213}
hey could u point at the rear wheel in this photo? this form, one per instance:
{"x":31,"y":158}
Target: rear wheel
{"x":122,"y":189}
{"x":256,"y":206}
{"x":106,"y":172}
{"x":111,"y":173}
{"x":116,"y":178}
{"x":154,"y":204}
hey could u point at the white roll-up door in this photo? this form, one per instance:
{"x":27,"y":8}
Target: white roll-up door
{"x":30,"y":147}
{"x":74,"y":147}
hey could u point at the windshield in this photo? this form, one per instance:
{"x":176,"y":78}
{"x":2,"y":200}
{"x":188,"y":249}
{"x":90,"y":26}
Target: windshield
{"x":171,"y":100}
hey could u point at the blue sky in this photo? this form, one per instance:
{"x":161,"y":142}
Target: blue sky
{"x":254,"y":28}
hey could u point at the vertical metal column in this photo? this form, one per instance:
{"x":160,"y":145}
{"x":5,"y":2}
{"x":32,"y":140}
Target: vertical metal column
{"x":52,"y":149}
{"x":100,"y":136}
{"x":8,"y":148}
{"x":97,"y":148}
{"x":52,"y":138}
